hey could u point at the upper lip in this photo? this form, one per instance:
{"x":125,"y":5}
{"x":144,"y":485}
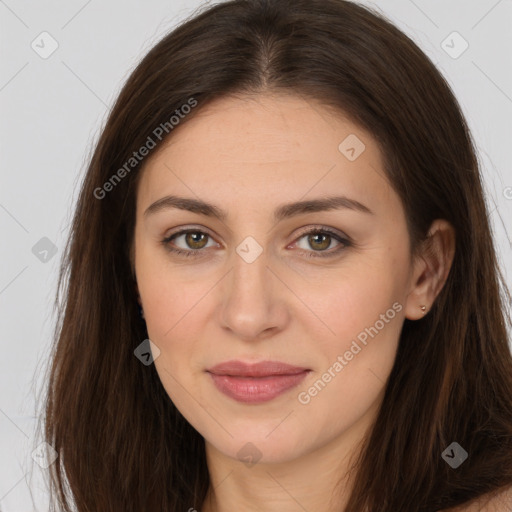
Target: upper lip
{"x":261,"y":369}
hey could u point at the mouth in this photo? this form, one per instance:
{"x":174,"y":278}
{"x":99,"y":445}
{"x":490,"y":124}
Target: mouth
{"x":256,"y":383}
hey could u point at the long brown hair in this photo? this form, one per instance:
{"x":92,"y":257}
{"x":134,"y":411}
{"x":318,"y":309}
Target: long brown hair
{"x":122,"y":444}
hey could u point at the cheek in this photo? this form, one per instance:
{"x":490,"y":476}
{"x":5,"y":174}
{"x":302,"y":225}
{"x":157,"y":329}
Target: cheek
{"x":174,"y":315}
{"x":177,"y":306}
{"x":174,"y":323}
{"x":353,"y":302}
{"x":364,"y":316}
{"x":169,"y":293}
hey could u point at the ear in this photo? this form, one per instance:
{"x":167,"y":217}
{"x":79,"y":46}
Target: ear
{"x":431,"y":268}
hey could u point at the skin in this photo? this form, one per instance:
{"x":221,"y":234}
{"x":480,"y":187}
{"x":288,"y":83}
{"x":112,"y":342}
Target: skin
{"x":249,"y":155}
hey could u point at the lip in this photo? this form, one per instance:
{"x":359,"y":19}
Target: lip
{"x":261,"y":369}
{"x":258,"y":382}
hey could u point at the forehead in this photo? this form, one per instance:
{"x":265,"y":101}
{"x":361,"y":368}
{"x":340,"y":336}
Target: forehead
{"x":266,"y":145}
{"x":267,"y":127}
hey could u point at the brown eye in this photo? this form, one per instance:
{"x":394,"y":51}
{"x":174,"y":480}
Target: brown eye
{"x":196,"y":239}
{"x":187,"y":242}
{"x":319,"y":241}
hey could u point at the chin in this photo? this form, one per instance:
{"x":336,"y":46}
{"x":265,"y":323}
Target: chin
{"x":259,"y":448}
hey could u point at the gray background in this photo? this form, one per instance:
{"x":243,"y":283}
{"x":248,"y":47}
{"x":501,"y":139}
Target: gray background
{"x":52,"y":110}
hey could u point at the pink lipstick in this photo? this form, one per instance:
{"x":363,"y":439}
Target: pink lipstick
{"x":256,"y":383}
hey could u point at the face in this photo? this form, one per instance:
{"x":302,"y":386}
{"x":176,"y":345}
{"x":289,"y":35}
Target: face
{"x":321,"y":289}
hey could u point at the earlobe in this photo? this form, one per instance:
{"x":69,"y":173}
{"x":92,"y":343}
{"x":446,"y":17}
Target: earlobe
{"x":431,"y":269}
{"x":418,"y":300}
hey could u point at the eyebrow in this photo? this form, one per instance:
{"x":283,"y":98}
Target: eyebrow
{"x":284,"y":211}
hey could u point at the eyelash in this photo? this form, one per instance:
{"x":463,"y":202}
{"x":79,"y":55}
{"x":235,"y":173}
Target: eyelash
{"x":309,"y":254}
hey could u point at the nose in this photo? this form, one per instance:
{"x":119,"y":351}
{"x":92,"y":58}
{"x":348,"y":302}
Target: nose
{"x":253,"y":302}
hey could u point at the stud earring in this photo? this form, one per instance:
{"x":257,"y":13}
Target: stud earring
{"x":423,"y":309}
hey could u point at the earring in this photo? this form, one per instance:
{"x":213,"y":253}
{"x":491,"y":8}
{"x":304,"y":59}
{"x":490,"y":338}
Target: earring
{"x":423,"y":309}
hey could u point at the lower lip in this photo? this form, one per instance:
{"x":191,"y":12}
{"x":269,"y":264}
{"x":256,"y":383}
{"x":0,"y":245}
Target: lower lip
{"x":256,"y":390}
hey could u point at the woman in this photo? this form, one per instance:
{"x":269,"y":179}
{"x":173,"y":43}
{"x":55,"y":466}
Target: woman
{"x":283,"y":292}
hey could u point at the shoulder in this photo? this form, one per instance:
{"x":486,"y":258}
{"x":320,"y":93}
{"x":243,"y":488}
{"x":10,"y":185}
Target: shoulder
{"x":499,"y":501}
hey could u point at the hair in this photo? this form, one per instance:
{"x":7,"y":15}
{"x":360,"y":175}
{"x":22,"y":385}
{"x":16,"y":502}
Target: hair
{"x":122,"y":443}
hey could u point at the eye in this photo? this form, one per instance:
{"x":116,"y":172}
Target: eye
{"x":194,"y":241}
{"x":320,"y":239}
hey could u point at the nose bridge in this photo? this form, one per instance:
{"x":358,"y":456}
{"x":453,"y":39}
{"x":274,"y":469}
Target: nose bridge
{"x":250,"y":276}
{"x":250,"y":259}
{"x":250,"y":305}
